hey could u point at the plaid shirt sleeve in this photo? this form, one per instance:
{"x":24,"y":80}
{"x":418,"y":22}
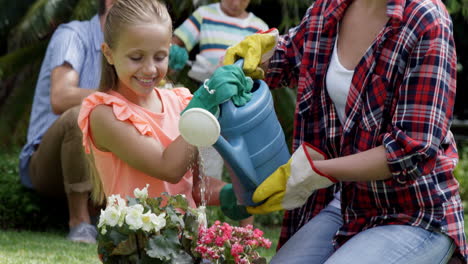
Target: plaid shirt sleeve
{"x":424,"y":105}
{"x":283,"y":69}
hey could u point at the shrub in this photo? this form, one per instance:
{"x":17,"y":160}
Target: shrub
{"x":461,"y":172}
{"x":21,"y":208}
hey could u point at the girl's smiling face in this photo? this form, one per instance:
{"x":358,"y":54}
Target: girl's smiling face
{"x":140,"y":57}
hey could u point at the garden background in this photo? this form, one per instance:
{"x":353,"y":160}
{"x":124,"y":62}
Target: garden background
{"x":33,"y":228}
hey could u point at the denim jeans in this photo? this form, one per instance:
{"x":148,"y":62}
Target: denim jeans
{"x":383,"y":244}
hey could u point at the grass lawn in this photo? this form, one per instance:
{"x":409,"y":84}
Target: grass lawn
{"x":25,"y":247}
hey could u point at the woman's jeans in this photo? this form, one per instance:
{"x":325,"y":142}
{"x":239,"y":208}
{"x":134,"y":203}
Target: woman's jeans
{"x":383,"y":244}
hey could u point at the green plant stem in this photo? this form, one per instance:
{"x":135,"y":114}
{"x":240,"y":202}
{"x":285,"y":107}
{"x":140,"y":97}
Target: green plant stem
{"x":138,"y":247}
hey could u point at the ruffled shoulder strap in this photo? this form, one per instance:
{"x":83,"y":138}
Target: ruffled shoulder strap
{"x":184,"y":96}
{"x":120,"y":108}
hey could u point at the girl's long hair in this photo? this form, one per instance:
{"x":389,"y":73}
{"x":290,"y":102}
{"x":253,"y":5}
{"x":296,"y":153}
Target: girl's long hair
{"x":122,"y":14}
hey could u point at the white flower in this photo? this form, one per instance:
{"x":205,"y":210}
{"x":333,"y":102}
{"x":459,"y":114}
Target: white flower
{"x":117,"y":201}
{"x":159,"y":222}
{"x":102,"y":220}
{"x":111,"y":216}
{"x":104,"y":230}
{"x":147,"y":220}
{"x":133,"y":216}
{"x":141,"y":194}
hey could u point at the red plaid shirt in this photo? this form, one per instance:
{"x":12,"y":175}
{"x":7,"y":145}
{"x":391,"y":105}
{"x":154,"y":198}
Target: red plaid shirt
{"x":402,"y":96}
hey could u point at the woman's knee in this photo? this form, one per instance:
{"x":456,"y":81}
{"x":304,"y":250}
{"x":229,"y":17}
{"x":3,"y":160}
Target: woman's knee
{"x":395,"y":244}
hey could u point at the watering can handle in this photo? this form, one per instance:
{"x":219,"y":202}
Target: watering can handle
{"x":239,"y":62}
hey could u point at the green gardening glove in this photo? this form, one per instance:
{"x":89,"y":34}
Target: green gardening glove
{"x":229,"y":205}
{"x":178,"y":57}
{"x":227,"y":83}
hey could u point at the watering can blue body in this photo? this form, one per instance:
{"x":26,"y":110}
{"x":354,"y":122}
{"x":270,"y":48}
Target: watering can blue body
{"x":252,"y":141}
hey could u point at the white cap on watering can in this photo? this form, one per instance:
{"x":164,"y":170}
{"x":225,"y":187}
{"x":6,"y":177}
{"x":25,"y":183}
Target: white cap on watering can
{"x":199,"y":127}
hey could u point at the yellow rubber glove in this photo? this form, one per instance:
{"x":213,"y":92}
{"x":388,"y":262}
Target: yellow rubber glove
{"x":291,"y":185}
{"x":254,"y":49}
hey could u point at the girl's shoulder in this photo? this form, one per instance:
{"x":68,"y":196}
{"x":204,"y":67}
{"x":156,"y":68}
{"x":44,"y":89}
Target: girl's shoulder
{"x":110,"y":107}
{"x":99,"y":98}
{"x":180,"y":95}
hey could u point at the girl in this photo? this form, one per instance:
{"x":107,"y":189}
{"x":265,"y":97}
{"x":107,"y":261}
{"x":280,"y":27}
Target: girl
{"x":129,"y":126}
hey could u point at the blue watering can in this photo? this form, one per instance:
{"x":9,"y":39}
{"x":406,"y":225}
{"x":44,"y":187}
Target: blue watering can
{"x":252,"y":141}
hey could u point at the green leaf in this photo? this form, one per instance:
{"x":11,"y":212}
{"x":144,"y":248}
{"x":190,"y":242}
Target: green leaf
{"x":131,"y":245}
{"x":116,"y":237}
{"x":453,"y":6}
{"x":145,"y":259}
{"x":84,"y":10}
{"x":179,"y":201}
{"x":191,"y":223}
{"x":164,"y":246}
{"x":285,"y":102}
{"x":182,"y":257}
{"x":154,"y":204}
{"x":175,"y":220}
{"x":40,"y":20}
{"x":16,"y":61}
{"x":126,"y":247}
{"x":11,"y":12}
{"x":261,"y":260}
{"x":132,"y":200}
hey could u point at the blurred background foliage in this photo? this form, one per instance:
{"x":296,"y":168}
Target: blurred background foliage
{"x":27,"y":25}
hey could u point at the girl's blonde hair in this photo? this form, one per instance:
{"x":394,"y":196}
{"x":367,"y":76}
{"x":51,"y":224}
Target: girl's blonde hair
{"x":122,"y":14}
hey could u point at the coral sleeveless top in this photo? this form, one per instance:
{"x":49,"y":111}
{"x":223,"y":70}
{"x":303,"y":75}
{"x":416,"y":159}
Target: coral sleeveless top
{"x":117,"y":176}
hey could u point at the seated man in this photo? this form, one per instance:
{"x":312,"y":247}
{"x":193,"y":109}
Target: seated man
{"x":52,"y":162}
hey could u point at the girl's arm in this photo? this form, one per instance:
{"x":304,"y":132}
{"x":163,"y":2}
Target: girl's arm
{"x":143,"y":153}
{"x":213,"y":188}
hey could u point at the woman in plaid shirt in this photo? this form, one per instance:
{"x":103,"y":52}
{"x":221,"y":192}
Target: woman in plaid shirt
{"x":371,"y":178}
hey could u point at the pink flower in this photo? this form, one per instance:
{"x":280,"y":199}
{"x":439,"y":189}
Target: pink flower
{"x":221,"y":239}
{"x":244,"y":261}
{"x":253,"y":243}
{"x":236,"y":249}
{"x":257,"y":233}
{"x":202,"y":249}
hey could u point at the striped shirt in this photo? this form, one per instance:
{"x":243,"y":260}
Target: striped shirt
{"x":215,"y":31}
{"x":402,"y":96}
{"x":79,"y":44}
